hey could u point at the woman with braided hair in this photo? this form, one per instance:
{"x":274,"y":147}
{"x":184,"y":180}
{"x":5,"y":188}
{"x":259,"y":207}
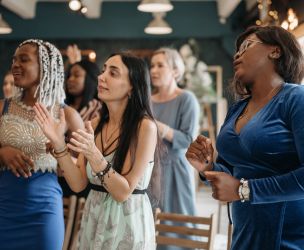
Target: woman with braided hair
{"x":31,"y":215}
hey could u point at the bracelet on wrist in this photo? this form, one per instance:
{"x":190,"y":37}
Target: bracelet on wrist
{"x":61,"y":150}
{"x":101,"y":174}
{"x":60,"y":153}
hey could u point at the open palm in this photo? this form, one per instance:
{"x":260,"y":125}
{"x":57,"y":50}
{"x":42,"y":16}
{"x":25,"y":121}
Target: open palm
{"x":52,"y":129}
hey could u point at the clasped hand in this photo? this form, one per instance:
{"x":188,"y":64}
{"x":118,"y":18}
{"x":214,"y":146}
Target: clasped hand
{"x":200,"y":154}
{"x":224,"y":186}
{"x":84,"y":142}
{"x":17,"y":161}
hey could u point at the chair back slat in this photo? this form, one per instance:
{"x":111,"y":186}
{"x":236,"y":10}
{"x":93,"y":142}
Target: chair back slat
{"x":182,"y":230}
{"x":184,"y":218}
{"x":169,"y":232}
{"x":163,"y":240}
{"x":69,"y":207}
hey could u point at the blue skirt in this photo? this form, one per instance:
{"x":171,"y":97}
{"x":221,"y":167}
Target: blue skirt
{"x":31,"y":212}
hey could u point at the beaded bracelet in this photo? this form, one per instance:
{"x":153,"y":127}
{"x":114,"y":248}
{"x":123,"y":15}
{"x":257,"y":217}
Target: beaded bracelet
{"x":102,"y":173}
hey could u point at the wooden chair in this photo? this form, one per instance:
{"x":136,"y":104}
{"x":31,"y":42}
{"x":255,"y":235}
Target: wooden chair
{"x":79,"y":212}
{"x":204,"y":231}
{"x":69,"y":207}
{"x":229,"y":235}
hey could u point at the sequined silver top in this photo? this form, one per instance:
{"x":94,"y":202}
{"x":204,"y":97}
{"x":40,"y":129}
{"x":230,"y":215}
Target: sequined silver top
{"x":19,"y":129}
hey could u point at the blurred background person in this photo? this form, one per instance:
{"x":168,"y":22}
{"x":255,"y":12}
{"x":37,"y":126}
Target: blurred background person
{"x":81,"y":94}
{"x":8,"y":85}
{"x":81,"y":89}
{"x":177,"y":114}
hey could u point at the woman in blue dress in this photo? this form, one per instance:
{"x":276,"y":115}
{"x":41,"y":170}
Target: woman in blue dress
{"x":31,"y":211}
{"x":260,"y":165}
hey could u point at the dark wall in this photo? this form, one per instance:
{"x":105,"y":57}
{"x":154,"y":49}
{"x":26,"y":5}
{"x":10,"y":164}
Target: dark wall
{"x":211,"y":51}
{"x":121,"y":26}
{"x":118,"y":20}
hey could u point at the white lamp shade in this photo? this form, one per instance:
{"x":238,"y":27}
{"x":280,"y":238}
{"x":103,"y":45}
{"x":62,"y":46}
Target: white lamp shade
{"x":4,"y":27}
{"x":155,"y":6}
{"x":158,"y":26}
{"x":75,"y":5}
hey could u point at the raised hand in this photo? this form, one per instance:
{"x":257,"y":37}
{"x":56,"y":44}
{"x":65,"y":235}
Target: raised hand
{"x":73,"y":53}
{"x":84,"y":142}
{"x":200,"y":153}
{"x":52,"y":129}
{"x":16,"y":161}
{"x":224,"y":186}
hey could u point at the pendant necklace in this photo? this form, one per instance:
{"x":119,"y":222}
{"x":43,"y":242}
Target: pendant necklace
{"x":107,"y":139}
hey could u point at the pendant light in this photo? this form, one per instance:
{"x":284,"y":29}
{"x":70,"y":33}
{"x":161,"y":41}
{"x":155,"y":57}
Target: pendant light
{"x":4,"y":27}
{"x":158,"y":26}
{"x":155,"y":6}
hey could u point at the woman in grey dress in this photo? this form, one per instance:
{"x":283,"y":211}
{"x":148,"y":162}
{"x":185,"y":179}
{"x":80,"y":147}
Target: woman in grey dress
{"x":177,"y":114}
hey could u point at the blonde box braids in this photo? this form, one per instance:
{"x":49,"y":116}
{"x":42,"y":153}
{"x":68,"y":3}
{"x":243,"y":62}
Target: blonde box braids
{"x":50,"y":91}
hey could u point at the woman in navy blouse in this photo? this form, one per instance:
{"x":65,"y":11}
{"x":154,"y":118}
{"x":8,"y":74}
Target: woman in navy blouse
{"x":260,"y":164}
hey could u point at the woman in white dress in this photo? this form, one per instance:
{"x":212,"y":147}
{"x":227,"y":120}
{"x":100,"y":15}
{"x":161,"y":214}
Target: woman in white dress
{"x":117,"y":161}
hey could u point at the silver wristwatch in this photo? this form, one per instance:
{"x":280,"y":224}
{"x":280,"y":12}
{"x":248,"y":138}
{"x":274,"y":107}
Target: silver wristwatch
{"x":244,"y":190}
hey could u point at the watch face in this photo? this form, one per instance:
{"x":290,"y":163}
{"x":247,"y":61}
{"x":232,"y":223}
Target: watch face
{"x":245,"y":191}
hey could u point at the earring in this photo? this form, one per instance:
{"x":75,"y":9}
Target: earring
{"x":274,"y":56}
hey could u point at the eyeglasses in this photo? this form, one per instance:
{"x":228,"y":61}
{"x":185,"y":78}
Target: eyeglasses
{"x":246,"y":44}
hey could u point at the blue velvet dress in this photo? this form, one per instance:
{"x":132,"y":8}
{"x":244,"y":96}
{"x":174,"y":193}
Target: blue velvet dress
{"x":31,"y":211}
{"x":269,"y":152}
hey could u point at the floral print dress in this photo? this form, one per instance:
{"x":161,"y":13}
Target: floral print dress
{"x":110,"y":225}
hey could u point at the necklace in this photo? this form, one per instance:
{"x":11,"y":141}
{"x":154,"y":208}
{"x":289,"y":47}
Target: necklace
{"x":271,"y":94}
{"x":107,"y":139}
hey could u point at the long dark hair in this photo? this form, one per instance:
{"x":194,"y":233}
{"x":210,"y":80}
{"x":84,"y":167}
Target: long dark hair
{"x":138,"y":108}
{"x":90,"y":83}
{"x":290,"y":65}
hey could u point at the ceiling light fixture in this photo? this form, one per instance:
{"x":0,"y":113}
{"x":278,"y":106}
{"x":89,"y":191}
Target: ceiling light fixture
{"x":84,"y":9}
{"x":155,"y":6}
{"x":92,"y":56}
{"x":158,"y":26}
{"x":291,"y":21}
{"x":75,"y":5}
{"x":4,"y":27}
